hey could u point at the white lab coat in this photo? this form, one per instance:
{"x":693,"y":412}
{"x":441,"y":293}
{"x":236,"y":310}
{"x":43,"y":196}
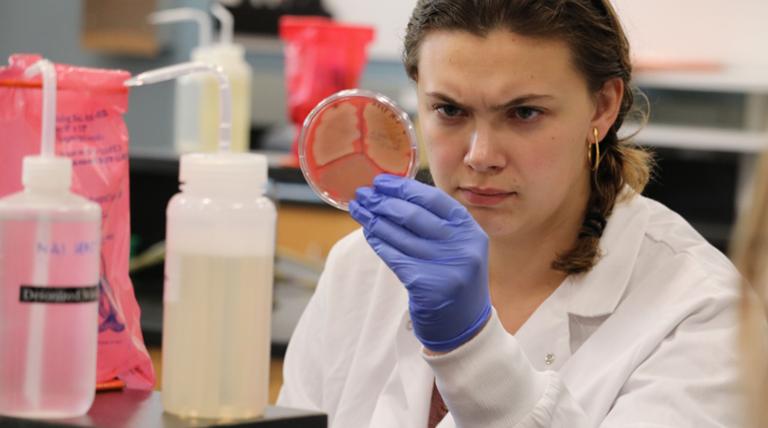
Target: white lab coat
{"x":647,"y":338}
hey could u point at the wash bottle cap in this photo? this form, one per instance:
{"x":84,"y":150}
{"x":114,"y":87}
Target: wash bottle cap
{"x":233,"y":169}
{"x":46,"y":171}
{"x":349,"y":138}
{"x":219,"y":54}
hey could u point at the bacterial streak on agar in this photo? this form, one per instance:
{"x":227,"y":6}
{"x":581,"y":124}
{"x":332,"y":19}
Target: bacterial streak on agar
{"x":349,"y":139}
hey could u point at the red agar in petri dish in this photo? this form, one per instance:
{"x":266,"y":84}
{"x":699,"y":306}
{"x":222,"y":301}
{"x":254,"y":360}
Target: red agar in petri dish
{"x":349,"y":138}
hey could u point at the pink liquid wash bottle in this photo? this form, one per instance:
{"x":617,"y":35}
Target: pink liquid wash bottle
{"x":49,"y":284}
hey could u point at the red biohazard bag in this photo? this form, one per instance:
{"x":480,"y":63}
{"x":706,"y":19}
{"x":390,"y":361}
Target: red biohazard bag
{"x":89,"y":129}
{"x":322,"y":57}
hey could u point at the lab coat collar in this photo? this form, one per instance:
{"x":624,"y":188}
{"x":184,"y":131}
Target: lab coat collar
{"x":582,"y":302}
{"x":545,"y":336}
{"x":599,"y":291}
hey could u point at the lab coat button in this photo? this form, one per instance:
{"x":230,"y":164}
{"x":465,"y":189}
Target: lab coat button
{"x":409,"y":325}
{"x":549,"y":359}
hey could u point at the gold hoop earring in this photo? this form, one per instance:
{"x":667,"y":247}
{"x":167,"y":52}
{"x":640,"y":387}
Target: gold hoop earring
{"x":594,"y":165}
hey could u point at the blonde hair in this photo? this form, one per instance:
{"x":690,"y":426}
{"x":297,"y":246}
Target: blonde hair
{"x":749,"y":252}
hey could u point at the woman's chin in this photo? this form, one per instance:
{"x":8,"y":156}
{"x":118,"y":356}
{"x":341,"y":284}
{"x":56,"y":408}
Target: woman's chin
{"x":497,"y":224}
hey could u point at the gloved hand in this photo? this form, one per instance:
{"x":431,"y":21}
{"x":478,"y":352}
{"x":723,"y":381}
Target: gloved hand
{"x":436,"y":249}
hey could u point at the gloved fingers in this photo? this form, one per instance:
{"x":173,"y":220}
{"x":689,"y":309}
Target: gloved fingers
{"x":406,"y":268}
{"x":403,"y":240}
{"x":429,"y":197}
{"x":394,"y":235}
{"x":413,"y":217}
{"x":360,"y":214}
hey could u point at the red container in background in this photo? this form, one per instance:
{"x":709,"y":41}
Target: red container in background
{"x":322,"y":57}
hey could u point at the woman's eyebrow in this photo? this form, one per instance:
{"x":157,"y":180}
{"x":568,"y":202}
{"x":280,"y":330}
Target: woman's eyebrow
{"x":523,"y":99}
{"x":444,"y":98}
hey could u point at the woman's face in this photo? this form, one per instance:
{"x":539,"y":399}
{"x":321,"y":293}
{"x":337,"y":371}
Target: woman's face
{"x":506,"y":119}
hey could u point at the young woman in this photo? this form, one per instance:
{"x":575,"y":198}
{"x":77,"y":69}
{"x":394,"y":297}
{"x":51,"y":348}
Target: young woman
{"x":533,"y":286}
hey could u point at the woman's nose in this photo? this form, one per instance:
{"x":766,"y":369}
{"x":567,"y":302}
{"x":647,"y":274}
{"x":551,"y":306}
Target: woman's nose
{"x":484,"y":154}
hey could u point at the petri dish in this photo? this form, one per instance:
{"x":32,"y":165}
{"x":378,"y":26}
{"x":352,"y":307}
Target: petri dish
{"x":349,"y":138}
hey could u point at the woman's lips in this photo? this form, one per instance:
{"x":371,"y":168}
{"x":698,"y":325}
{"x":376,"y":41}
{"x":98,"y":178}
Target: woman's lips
{"x":485,"y":196}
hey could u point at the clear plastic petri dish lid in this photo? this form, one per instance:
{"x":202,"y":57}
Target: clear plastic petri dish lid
{"x":351,"y":137}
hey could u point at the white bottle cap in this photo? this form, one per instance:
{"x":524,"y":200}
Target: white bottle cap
{"x":219,"y":54}
{"x":46,"y":172}
{"x":234,"y":170}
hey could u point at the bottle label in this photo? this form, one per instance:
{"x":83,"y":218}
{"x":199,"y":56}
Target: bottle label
{"x":32,"y":294}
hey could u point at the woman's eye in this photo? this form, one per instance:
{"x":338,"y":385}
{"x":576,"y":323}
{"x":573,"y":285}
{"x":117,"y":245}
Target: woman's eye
{"x":525,"y":113}
{"x":449,"y":111}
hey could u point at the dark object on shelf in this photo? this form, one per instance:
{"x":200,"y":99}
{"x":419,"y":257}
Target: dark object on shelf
{"x":261,"y":18}
{"x":700,"y":186}
{"x":131,"y":408}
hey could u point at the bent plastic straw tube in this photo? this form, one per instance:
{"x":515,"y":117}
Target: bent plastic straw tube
{"x":33,"y":377}
{"x":227,"y":23}
{"x":178,"y":70}
{"x":48,"y":135}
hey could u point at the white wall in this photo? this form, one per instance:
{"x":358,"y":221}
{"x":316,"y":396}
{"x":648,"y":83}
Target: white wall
{"x":388,"y":16}
{"x":732,"y":31}
{"x":729,"y":31}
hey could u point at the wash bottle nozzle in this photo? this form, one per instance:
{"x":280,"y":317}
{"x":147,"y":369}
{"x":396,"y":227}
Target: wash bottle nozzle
{"x":227,"y":23}
{"x":48,"y":131}
{"x":47,"y":170}
{"x":178,"y":70}
{"x":203,"y":20}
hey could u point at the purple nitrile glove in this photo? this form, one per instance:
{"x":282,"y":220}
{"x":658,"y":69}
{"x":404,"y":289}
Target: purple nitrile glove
{"x":436,"y":249}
